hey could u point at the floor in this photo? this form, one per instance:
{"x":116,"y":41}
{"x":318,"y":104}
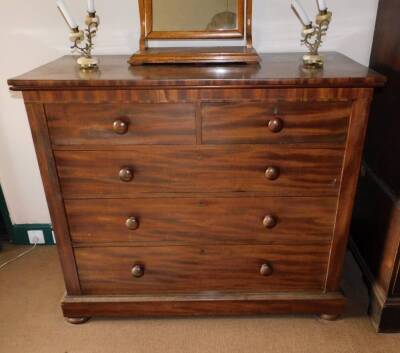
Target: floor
{"x":31,"y":321}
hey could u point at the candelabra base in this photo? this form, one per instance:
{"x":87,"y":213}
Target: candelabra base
{"x":88,"y":63}
{"x":313,"y":61}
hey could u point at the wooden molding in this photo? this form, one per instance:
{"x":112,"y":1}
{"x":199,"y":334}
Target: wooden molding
{"x":203,"y":305}
{"x":209,"y":55}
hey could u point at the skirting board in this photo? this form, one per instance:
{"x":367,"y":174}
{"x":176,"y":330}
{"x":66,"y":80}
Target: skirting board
{"x":19,"y":233}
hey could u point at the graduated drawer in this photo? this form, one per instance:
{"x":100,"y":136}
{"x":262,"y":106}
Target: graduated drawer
{"x":122,"y":124}
{"x":235,"y":168}
{"x":169,"y":269}
{"x":281,"y":122}
{"x":202,"y":220}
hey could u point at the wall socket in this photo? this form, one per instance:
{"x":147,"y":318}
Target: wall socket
{"x":36,"y":237}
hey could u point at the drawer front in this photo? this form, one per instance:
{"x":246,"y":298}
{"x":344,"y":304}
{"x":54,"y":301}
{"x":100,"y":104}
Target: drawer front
{"x":108,"y":270}
{"x":235,"y":168}
{"x":259,"y":123}
{"x":202,"y":221}
{"x":103,"y":124}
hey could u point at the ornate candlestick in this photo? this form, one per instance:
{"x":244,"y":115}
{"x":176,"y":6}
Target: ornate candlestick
{"x":82,"y":40}
{"x":312,"y":35}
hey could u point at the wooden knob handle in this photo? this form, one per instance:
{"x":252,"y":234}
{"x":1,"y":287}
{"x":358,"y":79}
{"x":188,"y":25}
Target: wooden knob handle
{"x":132,"y":223}
{"x":120,"y":127}
{"x":275,"y":125}
{"x":266,"y":270}
{"x":138,"y":271}
{"x":272,"y":173}
{"x":269,"y":221}
{"x":126,"y":174}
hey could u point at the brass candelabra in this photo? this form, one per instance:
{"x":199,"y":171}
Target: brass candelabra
{"x":313,"y":34}
{"x":313,"y":37}
{"x":83,"y":42}
{"x":82,"y":39}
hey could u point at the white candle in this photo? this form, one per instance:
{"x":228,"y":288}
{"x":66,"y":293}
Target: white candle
{"x":322,"y":5}
{"x":91,"y":7}
{"x":296,"y":6}
{"x":67,"y":15}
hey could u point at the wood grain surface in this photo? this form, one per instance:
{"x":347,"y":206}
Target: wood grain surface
{"x":195,"y":95}
{"x":208,"y":304}
{"x":185,"y":269}
{"x":147,"y":124}
{"x":202,"y":220}
{"x":48,"y":171}
{"x":237,"y":168}
{"x":307,"y":122}
{"x":282,"y":70}
{"x":351,"y":171}
{"x":195,"y":55}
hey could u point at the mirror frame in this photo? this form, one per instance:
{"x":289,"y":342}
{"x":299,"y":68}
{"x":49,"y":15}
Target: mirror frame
{"x":147,"y":33}
{"x":215,"y":54}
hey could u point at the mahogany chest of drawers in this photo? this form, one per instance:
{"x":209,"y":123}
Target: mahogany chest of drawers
{"x":200,"y":190}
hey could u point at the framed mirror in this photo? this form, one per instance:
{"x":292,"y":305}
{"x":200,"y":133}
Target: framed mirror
{"x":195,"y":20}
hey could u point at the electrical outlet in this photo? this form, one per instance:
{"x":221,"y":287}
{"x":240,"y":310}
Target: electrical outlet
{"x":36,"y":237}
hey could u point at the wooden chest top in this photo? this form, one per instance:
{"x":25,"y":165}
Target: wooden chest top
{"x":275,"y":70}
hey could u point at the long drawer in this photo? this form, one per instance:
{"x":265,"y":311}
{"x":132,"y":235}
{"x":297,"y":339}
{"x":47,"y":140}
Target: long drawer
{"x":274,"y":170}
{"x":122,"y":124}
{"x":281,"y":122}
{"x":189,"y":269}
{"x":202,"y":220}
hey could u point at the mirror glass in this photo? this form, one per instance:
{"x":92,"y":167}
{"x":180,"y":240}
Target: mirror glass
{"x":194,"y":15}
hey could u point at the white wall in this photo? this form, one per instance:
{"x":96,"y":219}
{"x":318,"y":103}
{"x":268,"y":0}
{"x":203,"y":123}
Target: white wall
{"x":33,"y":33}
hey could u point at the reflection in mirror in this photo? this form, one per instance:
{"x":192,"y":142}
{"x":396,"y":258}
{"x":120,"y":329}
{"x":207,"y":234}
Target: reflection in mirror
{"x":194,"y":15}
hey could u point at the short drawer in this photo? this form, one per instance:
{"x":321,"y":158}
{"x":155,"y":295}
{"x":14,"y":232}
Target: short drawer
{"x":189,"y":269}
{"x":202,"y":220}
{"x":302,"y":122}
{"x":122,"y":124}
{"x":237,"y":168}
